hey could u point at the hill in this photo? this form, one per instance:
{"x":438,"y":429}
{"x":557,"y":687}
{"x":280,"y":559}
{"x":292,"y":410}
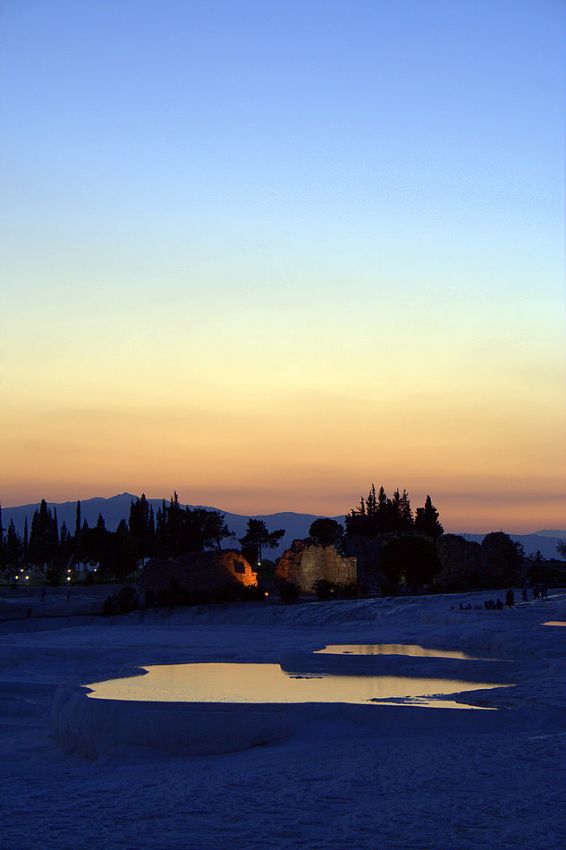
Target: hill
{"x":296,"y":525}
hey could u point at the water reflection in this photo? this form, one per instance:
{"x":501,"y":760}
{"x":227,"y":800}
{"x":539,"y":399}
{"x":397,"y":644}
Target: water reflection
{"x":268,"y":683}
{"x":392,"y":649}
{"x":555,"y":623}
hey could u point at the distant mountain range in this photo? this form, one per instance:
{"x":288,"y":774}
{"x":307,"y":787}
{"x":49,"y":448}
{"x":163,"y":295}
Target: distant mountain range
{"x":296,"y":525}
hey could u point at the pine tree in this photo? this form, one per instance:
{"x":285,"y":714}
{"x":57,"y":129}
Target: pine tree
{"x":13,"y":546}
{"x":55,"y":527}
{"x":394,"y":522}
{"x":65,"y":542}
{"x":257,"y":538}
{"x":406,"y":514}
{"x":43,"y":539}
{"x":78,"y":521}
{"x":161,"y":529}
{"x":378,"y":514}
{"x":121,"y":558}
{"x":174,"y":525}
{"x":96,"y":541}
{"x":371,"y":503}
{"x":141,"y":525}
{"x":427,"y":521}
{"x":382,"y":506}
{"x":64,"y":535}
{"x":26,"y":539}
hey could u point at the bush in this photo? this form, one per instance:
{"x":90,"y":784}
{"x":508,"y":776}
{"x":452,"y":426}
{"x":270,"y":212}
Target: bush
{"x":123,"y":602}
{"x":409,"y":561}
{"x":177,"y":596}
{"x":326,"y":532}
{"x":324,"y":589}
{"x":288,"y":592}
{"x":330,"y":590}
{"x":251,"y":594}
{"x":349,"y":591}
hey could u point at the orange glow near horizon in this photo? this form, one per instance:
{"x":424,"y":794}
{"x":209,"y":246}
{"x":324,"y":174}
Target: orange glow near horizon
{"x":299,"y":454}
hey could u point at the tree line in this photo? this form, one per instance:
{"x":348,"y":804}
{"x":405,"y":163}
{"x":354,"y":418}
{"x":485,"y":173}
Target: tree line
{"x":378,"y":514}
{"x":409,"y":554}
{"x":170,"y":531}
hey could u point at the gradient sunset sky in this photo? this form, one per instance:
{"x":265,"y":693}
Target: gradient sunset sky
{"x":268,"y":252}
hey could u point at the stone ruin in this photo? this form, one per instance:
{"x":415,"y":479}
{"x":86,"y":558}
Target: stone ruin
{"x":198,"y":573}
{"x":305,"y":563}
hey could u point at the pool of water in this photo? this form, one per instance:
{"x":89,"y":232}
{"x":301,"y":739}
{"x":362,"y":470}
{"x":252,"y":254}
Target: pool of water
{"x":268,"y":683}
{"x":555,"y":623}
{"x":410,"y":649}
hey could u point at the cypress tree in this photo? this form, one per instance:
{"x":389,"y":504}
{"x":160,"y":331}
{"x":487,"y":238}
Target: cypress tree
{"x":78,"y":520}
{"x":64,"y":536}
{"x":13,"y":546}
{"x":406,"y":514}
{"x":161,"y":529}
{"x":382,"y":508}
{"x":141,"y":525}
{"x":427,"y":521}
{"x":55,"y":527}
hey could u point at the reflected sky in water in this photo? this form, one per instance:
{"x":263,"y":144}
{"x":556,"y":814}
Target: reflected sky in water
{"x":392,"y":649}
{"x":268,"y":683}
{"x":555,"y":623}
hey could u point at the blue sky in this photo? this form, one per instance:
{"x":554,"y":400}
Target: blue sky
{"x":242,"y":184}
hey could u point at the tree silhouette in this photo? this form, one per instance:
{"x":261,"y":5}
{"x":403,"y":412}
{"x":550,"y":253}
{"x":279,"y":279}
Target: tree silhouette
{"x":501,"y":559}
{"x":44,"y":538}
{"x":412,"y":561}
{"x":141,"y":526}
{"x":326,"y":532}
{"x":13,"y":546}
{"x":257,"y":538}
{"x":78,"y":520}
{"x":426,"y":520}
{"x":377,"y":514}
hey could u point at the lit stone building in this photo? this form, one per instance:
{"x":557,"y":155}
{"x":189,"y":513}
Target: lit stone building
{"x":304,"y":564}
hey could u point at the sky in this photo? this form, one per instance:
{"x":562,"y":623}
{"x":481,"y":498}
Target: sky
{"x":267,"y":253}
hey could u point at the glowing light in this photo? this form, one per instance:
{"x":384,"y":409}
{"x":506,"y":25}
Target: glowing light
{"x":68,"y":578}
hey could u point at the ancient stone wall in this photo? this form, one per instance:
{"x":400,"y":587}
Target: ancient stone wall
{"x":201,"y":572}
{"x":305,"y":564}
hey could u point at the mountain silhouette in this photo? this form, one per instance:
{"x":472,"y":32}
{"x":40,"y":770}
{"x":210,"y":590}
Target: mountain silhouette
{"x":296,"y":525}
